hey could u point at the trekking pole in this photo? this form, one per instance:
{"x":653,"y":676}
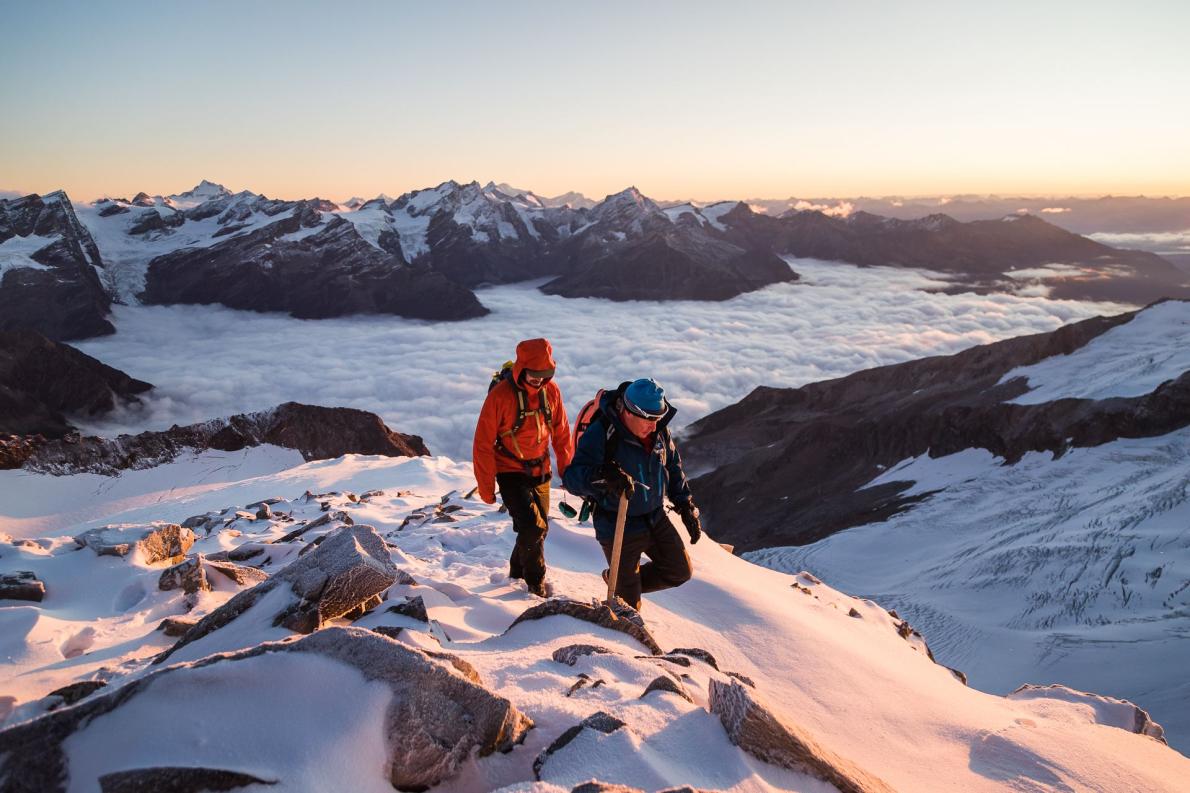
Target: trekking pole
{"x":613,"y":573}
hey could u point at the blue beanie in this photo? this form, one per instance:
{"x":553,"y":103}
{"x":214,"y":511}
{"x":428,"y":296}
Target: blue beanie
{"x":645,"y":396}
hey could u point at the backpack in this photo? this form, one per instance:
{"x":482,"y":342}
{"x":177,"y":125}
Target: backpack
{"x":542,"y":412}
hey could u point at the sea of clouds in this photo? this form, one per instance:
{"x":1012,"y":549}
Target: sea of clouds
{"x":430,"y":379}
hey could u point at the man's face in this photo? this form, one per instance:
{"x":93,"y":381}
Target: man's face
{"x":638,"y":425}
{"x":534,"y":382}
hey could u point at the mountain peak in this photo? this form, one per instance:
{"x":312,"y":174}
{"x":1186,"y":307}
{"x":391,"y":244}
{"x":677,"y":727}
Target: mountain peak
{"x":205,"y":189}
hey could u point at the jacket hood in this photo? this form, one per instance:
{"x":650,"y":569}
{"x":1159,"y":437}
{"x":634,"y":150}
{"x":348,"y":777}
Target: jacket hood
{"x":535,"y":354}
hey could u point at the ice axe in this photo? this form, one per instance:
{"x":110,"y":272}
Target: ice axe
{"x":613,"y":574}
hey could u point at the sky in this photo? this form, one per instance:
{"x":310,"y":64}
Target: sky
{"x":698,"y":100}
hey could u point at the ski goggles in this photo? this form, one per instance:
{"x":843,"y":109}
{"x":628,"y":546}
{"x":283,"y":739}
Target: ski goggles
{"x":641,"y":413}
{"x":539,"y":374}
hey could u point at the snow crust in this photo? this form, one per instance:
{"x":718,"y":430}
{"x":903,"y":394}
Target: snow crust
{"x":1129,"y":360}
{"x":1071,"y":570}
{"x":16,"y":253}
{"x":851,"y":682}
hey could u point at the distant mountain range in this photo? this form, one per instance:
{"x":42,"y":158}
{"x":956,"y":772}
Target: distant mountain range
{"x":421,"y":255}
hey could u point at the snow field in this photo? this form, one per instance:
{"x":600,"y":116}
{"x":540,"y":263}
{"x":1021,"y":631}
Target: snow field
{"x":861,"y":690}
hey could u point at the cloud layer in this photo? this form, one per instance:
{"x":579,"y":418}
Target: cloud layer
{"x":430,"y":378}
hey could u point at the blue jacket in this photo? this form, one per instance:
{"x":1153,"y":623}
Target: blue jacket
{"x":659,"y":468}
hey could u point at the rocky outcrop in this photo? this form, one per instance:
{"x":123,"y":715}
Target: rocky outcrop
{"x":436,"y":720}
{"x":759,"y":732}
{"x":349,"y":568}
{"x":42,"y":382}
{"x":787,"y":465}
{"x":193,"y":575}
{"x":148,"y":543}
{"x":331,"y":272}
{"x":319,"y":433}
{"x":21,"y":585}
{"x":49,"y":270}
{"x":625,"y":619}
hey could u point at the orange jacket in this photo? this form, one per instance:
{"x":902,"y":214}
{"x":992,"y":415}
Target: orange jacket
{"x":532,"y":441}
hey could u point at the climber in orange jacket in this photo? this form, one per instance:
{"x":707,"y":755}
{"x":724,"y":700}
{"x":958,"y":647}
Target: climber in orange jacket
{"x":521,"y":417}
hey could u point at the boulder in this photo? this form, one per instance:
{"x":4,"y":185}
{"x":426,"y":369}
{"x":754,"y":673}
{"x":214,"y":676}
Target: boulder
{"x":758,"y":731}
{"x":76,"y":691}
{"x":350,"y":567}
{"x":177,"y":626}
{"x":189,"y":576}
{"x":21,"y":585}
{"x":625,"y":619}
{"x":412,"y":607}
{"x":154,"y":542}
{"x":436,"y":721}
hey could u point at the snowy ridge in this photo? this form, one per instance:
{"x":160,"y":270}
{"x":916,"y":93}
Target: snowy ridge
{"x":822,"y":661}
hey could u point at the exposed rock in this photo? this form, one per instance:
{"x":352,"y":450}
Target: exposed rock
{"x":570,"y":654}
{"x":76,"y":691}
{"x":58,"y":292}
{"x":332,"y":272}
{"x":189,"y":576}
{"x":318,"y":433}
{"x":760,"y":733}
{"x":240,"y":575}
{"x":21,"y":585}
{"x":412,"y":607}
{"x":42,"y":381}
{"x":1108,"y":710}
{"x":742,"y":678}
{"x":599,"y":721}
{"x":177,"y":780}
{"x":154,"y":542}
{"x":595,"y":786}
{"x":436,"y":721}
{"x":667,"y":683}
{"x":788,"y":466}
{"x":465,"y":669}
{"x":626,"y":619}
{"x":177,"y":626}
{"x":695,"y":652}
{"x":351,"y":566}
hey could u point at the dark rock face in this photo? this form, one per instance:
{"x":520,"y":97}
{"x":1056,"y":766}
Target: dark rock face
{"x":155,"y":542}
{"x":21,"y":585}
{"x":319,"y":433}
{"x":413,"y":607}
{"x":835,"y":436}
{"x":632,"y":251}
{"x":570,"y":654}
{"x":77,"y":691}
{"x":333,"y":272}
{"x":666,"y":683}
{"x":980,"y":252}
{"x":63,"y":298}
{"x":626,"y":620}
{"x":755,"y":729}
{"x":177,"y":780}
{"x":42,"y":381}
{"x":350,"y":567}
{"x":436,"y":720}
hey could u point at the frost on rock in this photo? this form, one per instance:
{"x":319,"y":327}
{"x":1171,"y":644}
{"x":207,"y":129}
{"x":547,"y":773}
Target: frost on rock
{"x":193,"y":575}
{"x":436,"y":720}
{"x":572,"y":652}
{"x":350,"y":567}
{"x":21,"y":585}
{"x":154,"y":542}
{"x":759,"y":732}
{"x":1107,"y":710}
{"x":625,"y":619}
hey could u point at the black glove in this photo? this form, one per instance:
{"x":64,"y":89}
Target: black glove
{"x":689,"y":514}
{"x":613,"y":480}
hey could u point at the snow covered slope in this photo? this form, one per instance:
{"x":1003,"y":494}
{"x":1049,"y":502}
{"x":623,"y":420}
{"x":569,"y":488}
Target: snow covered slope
{"x":830,"y":668}
{"x":1070,"y":564}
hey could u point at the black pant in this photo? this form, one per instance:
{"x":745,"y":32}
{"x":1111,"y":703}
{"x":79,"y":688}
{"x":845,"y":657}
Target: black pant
{"x":669,"y":565}
{"x":528,"y":501}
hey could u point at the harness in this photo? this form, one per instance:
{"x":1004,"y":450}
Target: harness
{"x":542,"y":414}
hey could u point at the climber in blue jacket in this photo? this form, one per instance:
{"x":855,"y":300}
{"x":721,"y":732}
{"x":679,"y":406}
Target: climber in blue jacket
{"x":627,"y":449}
